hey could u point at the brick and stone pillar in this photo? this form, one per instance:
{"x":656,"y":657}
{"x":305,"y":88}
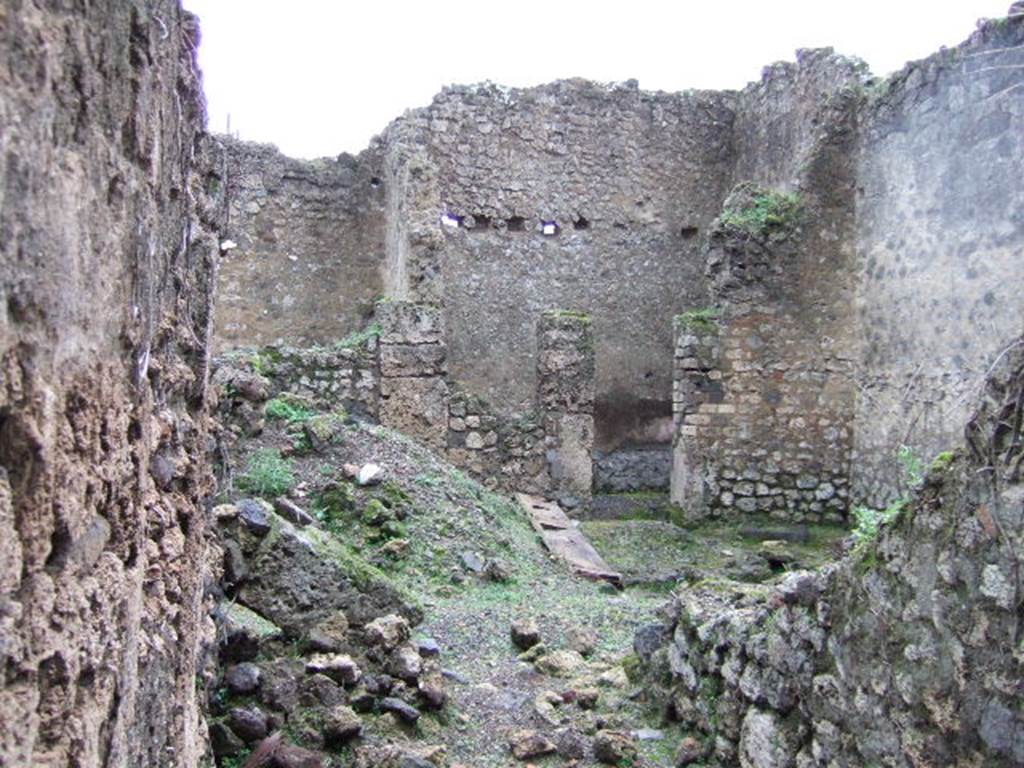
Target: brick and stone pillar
{"x":413,"y":389}
{"x":565,"y":393}
{"x":696,"y":393}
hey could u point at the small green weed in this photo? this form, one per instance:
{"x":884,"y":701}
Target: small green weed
{"x":429,"y":481}
{"x":868,"y":522}
{"x":913,"y":471}
{"x":359,"y":338}
{"x":261,"y":364}
{"x":288,"y":410}
{"x":234,"y":761}
{"x":267,"y":474}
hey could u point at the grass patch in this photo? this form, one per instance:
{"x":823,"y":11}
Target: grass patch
{"x":267,"y":474}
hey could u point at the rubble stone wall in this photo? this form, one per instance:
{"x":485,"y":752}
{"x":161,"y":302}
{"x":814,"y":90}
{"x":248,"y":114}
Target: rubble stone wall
{"x":776,"y":676}
{"x":565,"y":397}
{"x":309,"y":260}
{"x":340,"y":376}
{"x":109,"y":212}
{"x":628,"y":179}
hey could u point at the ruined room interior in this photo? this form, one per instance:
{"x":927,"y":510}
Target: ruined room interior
{"x":568,"y":425}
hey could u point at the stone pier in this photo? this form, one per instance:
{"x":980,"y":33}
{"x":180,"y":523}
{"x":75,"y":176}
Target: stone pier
{"x":413,"y":389}
{"x":565,"y":395}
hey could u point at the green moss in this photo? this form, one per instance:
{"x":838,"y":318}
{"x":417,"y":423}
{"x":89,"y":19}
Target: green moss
{"x":375,"y":513}
{"x":699,"y":319}
{"x":393,"y":496}
{"x":267,"y":474}
{"x":761,"y":212}
{"x":677,"y":515}
{"x":568,"y":314}
{"x":251,"y":620}
{"x":351,"y":562}
{"x":942,"y":461}
{"x":335,"y":505}
{"x":327,"y":427}
{"x":633,"y":667}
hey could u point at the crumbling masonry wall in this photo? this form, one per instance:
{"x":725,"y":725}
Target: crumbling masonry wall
{"x":627,"y":181}
{"x":777,"y":676}
{"x":108,"y":214}
{"x":413,"y":384}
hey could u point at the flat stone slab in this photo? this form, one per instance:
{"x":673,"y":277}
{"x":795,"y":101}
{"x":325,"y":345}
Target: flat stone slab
{"x":563,"y":538}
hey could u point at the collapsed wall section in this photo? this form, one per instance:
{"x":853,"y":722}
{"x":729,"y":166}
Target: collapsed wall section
{"x":940,"y":232}
{"x":109,"y":213}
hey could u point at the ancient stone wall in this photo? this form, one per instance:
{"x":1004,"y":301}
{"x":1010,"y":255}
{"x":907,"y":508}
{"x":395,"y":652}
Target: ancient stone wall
{"x":777,"y":676}
{"x":763,"y":404}
{"x":346,"y":377}
{"x":413,"y":370}
{"x":497,"y":205}
{"x":763,"y":412}
{"x":310,"y":247}
{"x":109,"y":211}
{"x":940,"y":231}
{"x":627,"y":181}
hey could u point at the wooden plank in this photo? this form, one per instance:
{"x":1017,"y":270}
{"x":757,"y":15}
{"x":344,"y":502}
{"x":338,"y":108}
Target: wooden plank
{"x":564,"y":539}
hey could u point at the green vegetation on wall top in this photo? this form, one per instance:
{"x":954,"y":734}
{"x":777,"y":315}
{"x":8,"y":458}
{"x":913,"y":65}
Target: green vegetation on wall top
{"x":699,"y":319}
{"x":568,"y":314}
{"x":756,"y":211}
{"x":359,"y":338}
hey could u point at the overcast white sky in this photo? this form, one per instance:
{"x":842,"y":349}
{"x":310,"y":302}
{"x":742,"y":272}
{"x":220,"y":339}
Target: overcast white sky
{"x":320,"y":77}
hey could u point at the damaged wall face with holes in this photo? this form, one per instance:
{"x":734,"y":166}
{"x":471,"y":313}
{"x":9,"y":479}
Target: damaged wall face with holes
{"x":858,"y":318}
{"x":108,"y":214}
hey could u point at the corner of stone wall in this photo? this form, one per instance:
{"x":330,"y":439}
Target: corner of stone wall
{"x":565,"y":394}
{"x":763,"y":410}
{"x":413,"y":368}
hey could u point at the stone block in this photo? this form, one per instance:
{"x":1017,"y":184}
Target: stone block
{"x":412,"y":360}
{"x":404,"y":322}
{"x":416,"y":406}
